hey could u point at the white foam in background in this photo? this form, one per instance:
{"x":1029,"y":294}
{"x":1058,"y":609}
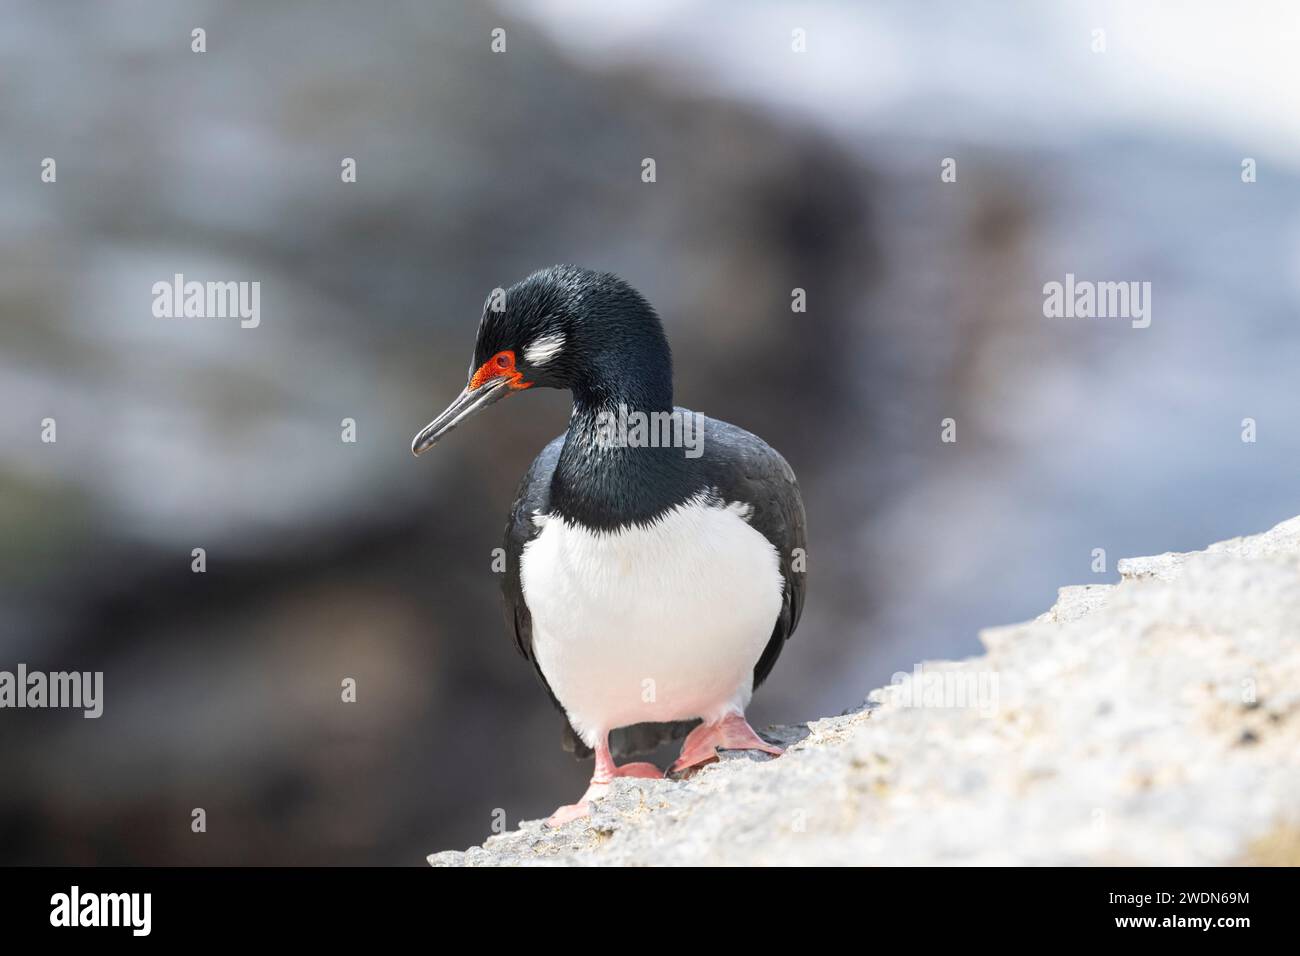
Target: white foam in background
{"x":1195,"y":68}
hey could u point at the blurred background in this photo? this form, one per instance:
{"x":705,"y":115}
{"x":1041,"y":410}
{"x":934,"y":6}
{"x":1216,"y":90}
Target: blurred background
{"x":775,"y":170}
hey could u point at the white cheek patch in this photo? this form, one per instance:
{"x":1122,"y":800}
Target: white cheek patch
{"x":543,"y":349}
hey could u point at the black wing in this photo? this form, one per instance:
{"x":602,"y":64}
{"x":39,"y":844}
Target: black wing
{"x":745,"y":468}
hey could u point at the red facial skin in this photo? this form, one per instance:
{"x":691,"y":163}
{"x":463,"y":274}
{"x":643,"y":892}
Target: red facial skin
{"x":501,"y":365}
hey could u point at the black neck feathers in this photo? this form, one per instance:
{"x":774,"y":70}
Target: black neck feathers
{"x":623,"y":367}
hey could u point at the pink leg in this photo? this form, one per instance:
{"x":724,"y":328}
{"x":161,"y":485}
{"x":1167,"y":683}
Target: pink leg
{"x":601,"y":778}
{"x":730,"y":733}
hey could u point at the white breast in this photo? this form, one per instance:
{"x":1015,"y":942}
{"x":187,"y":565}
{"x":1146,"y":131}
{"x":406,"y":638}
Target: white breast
{"x":651,"y":624}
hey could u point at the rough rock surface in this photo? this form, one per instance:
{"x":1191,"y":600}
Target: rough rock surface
{"x":1155,"y":721}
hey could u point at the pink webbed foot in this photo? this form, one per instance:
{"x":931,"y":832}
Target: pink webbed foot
{"x":647,"y":770}
{"x":600,"y":781}
{"x":730,"y":733}
{"x":570,"y":812}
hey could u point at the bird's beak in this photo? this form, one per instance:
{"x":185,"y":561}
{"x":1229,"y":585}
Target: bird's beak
{"x":469,"y":401}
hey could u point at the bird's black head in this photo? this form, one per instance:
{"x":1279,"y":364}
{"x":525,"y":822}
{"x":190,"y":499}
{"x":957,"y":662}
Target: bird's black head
{"x":564,"y":327}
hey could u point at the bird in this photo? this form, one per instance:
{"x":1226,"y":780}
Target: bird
{"x":655,"y":557}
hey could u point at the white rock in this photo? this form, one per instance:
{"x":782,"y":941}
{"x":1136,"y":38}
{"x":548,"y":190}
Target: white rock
{"x":1156,"y":721}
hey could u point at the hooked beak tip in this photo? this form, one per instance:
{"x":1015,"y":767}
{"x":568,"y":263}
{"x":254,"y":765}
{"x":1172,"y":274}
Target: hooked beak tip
{"x":467,"y":403}
{"x":425,"y":439}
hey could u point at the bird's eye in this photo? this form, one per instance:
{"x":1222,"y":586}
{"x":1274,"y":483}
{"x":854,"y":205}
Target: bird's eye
{"x":503,"y":360}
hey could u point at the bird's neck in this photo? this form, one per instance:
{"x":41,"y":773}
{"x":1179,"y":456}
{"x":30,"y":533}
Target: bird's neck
{"x":605,"y":477}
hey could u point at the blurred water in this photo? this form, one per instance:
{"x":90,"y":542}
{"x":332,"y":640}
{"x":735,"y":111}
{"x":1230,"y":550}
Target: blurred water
{"x":987,"y":72}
